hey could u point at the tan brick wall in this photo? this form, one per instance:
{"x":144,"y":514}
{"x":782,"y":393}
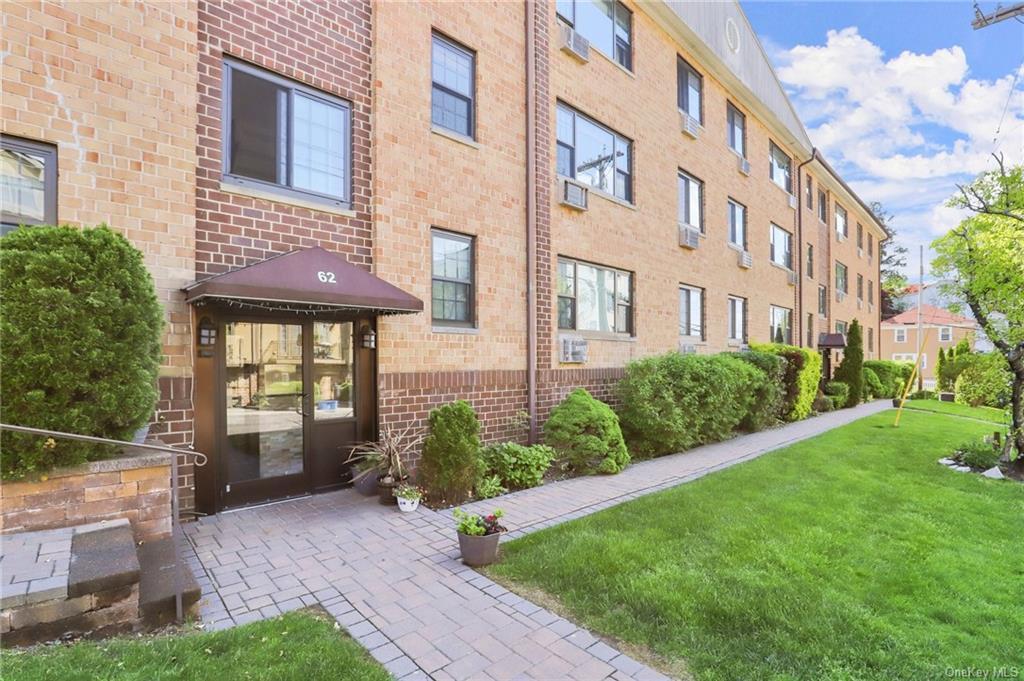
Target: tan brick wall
{"x":79,"y":496}
{"x":114,"y":87}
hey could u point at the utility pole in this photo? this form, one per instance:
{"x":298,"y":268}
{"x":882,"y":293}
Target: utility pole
{"x":920,"y":330}
{"x":982,"y":20}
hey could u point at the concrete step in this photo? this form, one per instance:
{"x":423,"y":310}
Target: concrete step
{"x":161,"y":573}
{"x":102,"y":559}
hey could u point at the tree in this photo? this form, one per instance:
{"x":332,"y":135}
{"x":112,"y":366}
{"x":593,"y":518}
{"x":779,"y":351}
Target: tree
{"x":778,"y":336}
{"x":983,"y":261}
{"x":892,"y":258}
{"x":940,"y":365}
{"x":851,"y":369}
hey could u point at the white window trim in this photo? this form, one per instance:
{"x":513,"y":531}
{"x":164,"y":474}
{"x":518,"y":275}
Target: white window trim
{"x":899,"y":335}
{"x":701,"y":331}
{"x":737,"y":324}
{"x":945,"y":333}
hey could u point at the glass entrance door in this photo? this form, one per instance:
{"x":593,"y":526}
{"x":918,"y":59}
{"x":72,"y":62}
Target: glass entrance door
{"x":265,"y":430}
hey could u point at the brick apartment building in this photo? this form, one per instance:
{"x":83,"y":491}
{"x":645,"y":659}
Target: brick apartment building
{"x":492,"y":202}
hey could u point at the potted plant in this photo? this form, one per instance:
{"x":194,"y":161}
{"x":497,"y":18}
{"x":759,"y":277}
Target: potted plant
{"x":408,"y":498}
{"x":478,"y":536}
{"x":388,"y":451}
{"x":367,"y":470}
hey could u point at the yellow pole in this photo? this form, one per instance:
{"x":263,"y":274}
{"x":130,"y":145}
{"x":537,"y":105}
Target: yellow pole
{"x":913,"y":375}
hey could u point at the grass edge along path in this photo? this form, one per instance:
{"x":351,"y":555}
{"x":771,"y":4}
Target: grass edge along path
{"x":851,"y":555}
{"x":987,"y":414}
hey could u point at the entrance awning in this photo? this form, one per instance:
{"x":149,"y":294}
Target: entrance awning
{"x":831,"y":341}
{"x":303,"y":280}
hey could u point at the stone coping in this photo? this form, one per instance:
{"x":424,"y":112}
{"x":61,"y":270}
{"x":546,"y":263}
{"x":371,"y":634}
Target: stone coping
{"x":124,"y":462}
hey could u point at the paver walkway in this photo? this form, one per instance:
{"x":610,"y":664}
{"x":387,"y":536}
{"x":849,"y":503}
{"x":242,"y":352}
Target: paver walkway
{"x":394,"y":580}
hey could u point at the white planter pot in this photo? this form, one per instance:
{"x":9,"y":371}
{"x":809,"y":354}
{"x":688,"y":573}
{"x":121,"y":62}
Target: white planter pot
{"x":408,"y":505}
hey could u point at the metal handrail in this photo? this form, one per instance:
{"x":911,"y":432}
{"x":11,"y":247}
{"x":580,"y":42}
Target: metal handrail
{"x":200,"y":460}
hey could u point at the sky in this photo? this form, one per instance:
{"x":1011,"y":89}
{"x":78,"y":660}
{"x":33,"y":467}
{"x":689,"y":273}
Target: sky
{"x":903,"y":98}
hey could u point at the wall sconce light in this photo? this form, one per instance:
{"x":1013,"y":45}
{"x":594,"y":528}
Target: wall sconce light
{"x":207,"y":340}
{"x":369,"y":338}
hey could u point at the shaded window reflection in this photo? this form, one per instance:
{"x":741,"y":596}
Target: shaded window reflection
{"x":333,"y":370}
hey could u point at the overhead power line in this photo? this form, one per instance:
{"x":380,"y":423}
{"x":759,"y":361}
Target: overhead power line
{"x":981,"y":20}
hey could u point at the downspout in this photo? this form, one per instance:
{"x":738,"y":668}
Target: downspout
{"x":531,"y":221}
{"x":798,"y":305}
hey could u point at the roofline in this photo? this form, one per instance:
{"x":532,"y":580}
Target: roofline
{"x":867,"y":209}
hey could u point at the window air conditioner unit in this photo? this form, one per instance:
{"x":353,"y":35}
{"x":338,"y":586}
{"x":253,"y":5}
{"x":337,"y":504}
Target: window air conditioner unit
{"x":574,"y":194}
{"x":575,"y":44}
{"x":840,"y":296}
{"x":572,"y":350}
{"x":860,"y":303}
{"x":690,"y":125}
{"x":687,"y":348}
{"x":841,"y":237}
{"x":743,"y":165}
{"x":860,"y":252}
{"x":793,"y":203}
{"x":689,"y":236}
{"x":791,"y":278}
{"x":746,"y":261}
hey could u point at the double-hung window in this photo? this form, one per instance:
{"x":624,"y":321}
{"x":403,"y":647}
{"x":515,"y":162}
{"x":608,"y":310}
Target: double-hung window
{"x":28,"y":183}
{"x":286,"y":138}
{"x":860,"y":238}
{"x":842,"y":278}
{"x":691,"y":201}
{"x":737,"y":318}
{"x":945,"y":333}
{"x":606,"y":24}
{"x":737,"y":224}
{"x":871,"y":245}
{"x":737,"y":123}
{"x":860,"y":287}
{"x":900,"y":335}
{"x":823,"y":207}
{"x":871,"y":291}
{"x":779,"y":167}
{"x":782,"y":247}
{"x":691,"y":312}
{"x":871,"y":339}
{"x":452,"y":279}
{"x":594,"y":298}
{"x":809,"y":192}
{"x":690,"y":89}
{"x":810,"y":261}
{"x":842,"y":230}
{"x":452,"y":69}
{"x":592,"y":154}
{"x":822,"y":300}
{"x":781,"y":324}
{"x":841,"y":327}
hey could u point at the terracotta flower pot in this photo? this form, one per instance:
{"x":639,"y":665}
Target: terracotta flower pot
{"x":479,"y":551}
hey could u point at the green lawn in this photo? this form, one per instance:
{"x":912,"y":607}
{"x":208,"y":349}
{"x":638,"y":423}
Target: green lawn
{"x":850,"y":556}
{"x":981,"y":413}
{"x":298,"y":645}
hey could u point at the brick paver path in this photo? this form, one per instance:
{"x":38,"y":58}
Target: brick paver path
{"x":394,"y":580}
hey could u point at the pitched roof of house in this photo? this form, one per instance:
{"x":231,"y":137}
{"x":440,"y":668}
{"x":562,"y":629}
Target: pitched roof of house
{"x":929,"y":315}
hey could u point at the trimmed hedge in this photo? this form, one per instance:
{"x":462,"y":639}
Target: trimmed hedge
{"x":892,"y":375}
{"x":838,"y":392}
{"x":81,"y":336}
{"x":872,"y":385}
{"x":673,"y":402}
{"x":802,"y":375}
{"x":585,"y":434}
{"x":767,"y":406}
{"x":450,"y":466}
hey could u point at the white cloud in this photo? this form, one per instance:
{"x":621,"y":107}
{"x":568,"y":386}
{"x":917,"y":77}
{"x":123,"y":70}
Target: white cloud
{"x":903,"y":130}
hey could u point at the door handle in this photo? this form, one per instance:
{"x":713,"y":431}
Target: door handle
{"x":298,"y":407}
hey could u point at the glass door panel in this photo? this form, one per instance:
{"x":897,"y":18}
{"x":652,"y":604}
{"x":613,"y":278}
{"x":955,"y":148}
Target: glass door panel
{"x":265,"y":393}
{"x":333,"y":385}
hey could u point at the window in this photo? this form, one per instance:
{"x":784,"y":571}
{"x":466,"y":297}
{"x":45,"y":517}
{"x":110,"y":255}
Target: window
{"x":871,"y":339}
{"x":594,"y":298}
{"x":841,"y":229}
{"x":285,"y":137}
{"x":690,"y":88}
{"x":809,"y":192}
{"x":453,"y":71}
{"x":781,"y":247}
{"x":871,"y":292}
{"x":823,"y":206}
{"x":910,"y":357}
{"x":608,"y":25}
{"x":860,"y":238}
{"x":28,"y":183}
{"x":945,"y":333}
{"x":860,"y":287}
{"x":737,"y":224}
{"x":822,"y":300}
{"x":737,"y":319}
{"x":901,"y":335}
{"x":781,"y":324}
{"x":842,"y":281}
{"x":810,"y":261}
{"x":691,"y":312}
{"x":737,"y":123}
{"x":810,"y":329}
{"x":594,"y":155}
{"x":871,"y":245}
{"x":778,"y":168}
{"x":452,"y":286}
{"x":691,"y":201}
{"x":841,"y":327}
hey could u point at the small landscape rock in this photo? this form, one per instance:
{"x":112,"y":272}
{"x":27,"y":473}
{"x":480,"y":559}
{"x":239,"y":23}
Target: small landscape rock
{"x":961,"y":469}
{"x":947,"y":462}
{"x":994,"y":473}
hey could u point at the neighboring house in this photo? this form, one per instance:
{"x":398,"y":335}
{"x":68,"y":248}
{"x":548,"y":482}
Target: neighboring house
{"x":516,"y":200}
{"x":940,"y":329}
{"x":932,"y":294}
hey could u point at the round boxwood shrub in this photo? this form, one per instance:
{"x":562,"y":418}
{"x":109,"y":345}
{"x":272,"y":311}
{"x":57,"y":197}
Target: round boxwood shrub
{"x":81,"y":332}
{"x":985,"y":381}
{"x":585,"y":434}
{"x":450,"y":466}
